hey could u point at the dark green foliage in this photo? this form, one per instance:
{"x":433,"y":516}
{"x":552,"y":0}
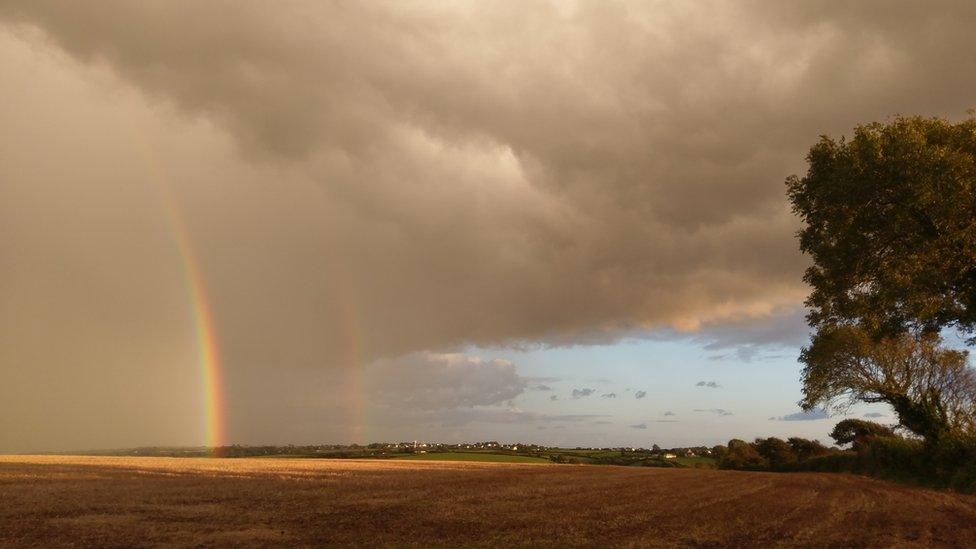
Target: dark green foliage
{"x":857,"y":432}
{"x":806,"y":449}
{"x":776,"y":452}
{"x":894,"y":456}
{"x":890,"y":223}
{"x":948,"y":463}
{"x":742,"y":455}
{"x":835,"y":462}
{"x":719,"y":451}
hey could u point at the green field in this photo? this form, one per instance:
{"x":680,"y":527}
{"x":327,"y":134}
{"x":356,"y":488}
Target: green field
{"x":698,"y":462}
{"x":466,"y":456}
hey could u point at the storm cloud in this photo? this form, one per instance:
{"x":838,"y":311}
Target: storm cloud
{"x":355,"y":183}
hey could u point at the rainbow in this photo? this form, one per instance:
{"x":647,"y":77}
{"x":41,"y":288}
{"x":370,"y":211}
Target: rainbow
{"x":203,"y":321}
{"x":351,"y":352}
{"x":208,"y":354}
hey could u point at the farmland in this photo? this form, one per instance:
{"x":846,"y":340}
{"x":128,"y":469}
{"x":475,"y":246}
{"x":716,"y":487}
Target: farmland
{"x":64,"y":500}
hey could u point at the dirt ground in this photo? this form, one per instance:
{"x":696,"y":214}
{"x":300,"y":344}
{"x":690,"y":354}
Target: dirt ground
{"x":98,"y":501}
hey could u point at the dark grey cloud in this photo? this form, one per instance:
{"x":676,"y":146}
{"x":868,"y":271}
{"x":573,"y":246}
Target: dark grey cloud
{"x":582,"y":393}
{"x":608,"y":395}
{"x":709,"y":384}
{"x":541,"y":387}
{"x":640,"y":394}
{"x":602,"y":422}
{"x":874,"y":415}
{"x":809,"y":415}
{"x":669,"y":413}
{"x":553,"y":397}
{"x":638,"y":426}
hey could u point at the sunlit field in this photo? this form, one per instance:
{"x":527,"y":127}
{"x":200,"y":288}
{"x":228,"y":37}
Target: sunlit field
{"x":85,"y":501}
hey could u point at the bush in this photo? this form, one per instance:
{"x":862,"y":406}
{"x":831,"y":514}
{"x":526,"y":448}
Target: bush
{"x":831,"y":463}
{"x":742,"y":455}
{"x":895,"y":456}
{"x":964,"y":478}
{"x":950,"y":463}
{"x":806,"y":449}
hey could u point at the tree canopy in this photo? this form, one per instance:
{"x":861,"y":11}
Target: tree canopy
{"x":890,"y":223}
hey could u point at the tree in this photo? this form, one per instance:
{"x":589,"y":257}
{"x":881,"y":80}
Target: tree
{"x":719,"y":451}
{"x":777,"y":452}
{"x":890,"y":223}
{"x":931,"y":388}
{"x":742,"y":455}
{"x":806,"y":449}
{"x":857,"y":432}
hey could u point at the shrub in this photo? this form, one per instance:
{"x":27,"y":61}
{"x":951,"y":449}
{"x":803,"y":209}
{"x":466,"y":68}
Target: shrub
{"x":777,"y":452}
{"x":895,"y":456}
{"x":832,"y":463}
{"x":806,"y":449}
{"x":742,"y":455}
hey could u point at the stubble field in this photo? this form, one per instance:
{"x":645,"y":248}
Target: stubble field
{"x":85,"y":501}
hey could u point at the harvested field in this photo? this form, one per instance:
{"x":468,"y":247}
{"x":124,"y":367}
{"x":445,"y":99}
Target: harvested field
{"x":51,"y":501}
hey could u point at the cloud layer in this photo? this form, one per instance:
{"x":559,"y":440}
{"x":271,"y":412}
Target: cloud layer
{"x":367,"y":181}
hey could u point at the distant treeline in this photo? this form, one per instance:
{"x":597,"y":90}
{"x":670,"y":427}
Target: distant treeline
{"x":697,"y":456}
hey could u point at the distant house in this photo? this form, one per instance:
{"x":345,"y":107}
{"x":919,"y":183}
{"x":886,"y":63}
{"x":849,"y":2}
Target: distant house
{"x":669,"y":455}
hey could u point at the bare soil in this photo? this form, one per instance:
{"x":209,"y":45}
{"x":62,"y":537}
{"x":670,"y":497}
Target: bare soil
{"x":100,"y":501}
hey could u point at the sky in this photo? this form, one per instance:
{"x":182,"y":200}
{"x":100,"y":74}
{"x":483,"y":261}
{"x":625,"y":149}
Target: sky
{"x":326,"y":222}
